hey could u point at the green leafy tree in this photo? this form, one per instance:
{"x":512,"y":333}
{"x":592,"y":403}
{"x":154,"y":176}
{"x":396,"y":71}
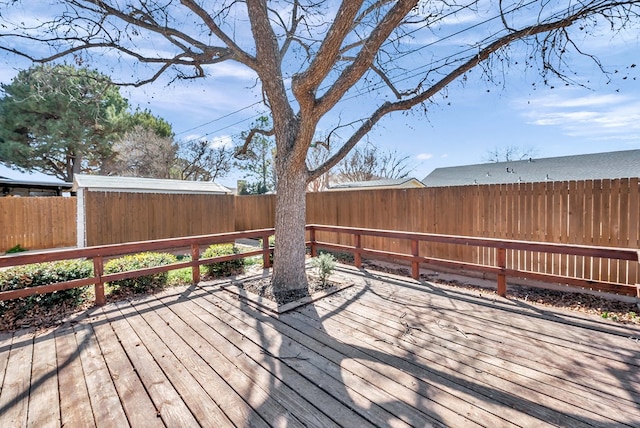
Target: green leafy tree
{"x":60,"y":120}
{"x":310,"y":56}
{"x":146,"y":120}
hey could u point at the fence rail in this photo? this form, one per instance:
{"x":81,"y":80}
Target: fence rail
{"x":500,"y":268}
{"x":98,"y":254}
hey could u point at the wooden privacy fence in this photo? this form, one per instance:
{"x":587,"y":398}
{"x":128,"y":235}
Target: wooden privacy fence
{"x":116,"y":217}
{"x":602,"y":213}
{"x":598,"y":213}
{"x":46,"y":222}
{"x":99,"y":253}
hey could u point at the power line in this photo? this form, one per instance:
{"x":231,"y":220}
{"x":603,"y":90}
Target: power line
{"x":401,"y":77}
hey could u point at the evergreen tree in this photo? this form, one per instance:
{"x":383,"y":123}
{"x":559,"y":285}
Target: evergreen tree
{"x":60,"y":120}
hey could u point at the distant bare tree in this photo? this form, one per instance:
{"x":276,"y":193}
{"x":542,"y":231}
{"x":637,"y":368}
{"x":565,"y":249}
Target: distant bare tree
{"x":510,"y":153}
{"x":373,"y":163}
{"x":200,"y":160}
{"x":142,"y":153}
{"x":318,"y":154}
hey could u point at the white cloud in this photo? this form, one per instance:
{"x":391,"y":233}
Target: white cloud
{"x":424,"y":156}
{"x":594,"y":117}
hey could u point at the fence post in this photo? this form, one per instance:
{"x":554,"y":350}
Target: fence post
{"x":357,"y":256}
{"x":195,"y":257}
{"x":266,"y":252}
{"x":98,"y":271}
{"x":312,"y":240}
{"x":415,"y":265}
{"x":502,"y":278}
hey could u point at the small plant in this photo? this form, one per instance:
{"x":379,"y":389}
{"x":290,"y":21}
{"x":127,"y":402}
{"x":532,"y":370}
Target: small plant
{"x":17,"y":249}
{"x":325,"y":264}
{"x":132,"y":262}
{"x":37,"y":274}
{"x":605,"y":315}
{"x":226,"y":268}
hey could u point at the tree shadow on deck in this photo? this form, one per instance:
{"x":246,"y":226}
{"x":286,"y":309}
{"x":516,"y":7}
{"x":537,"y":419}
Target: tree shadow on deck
{"x":385,"y":383}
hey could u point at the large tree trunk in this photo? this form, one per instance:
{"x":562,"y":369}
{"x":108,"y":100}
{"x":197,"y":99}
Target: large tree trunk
{"x":289,"y":258}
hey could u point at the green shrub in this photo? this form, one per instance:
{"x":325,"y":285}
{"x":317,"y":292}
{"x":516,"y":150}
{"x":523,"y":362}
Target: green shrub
{"x":325,"y":264}
{"x":17,"y":249}
{"x":34,"y":275}
{"x":144,"y":283}
{"x":230,"y":267}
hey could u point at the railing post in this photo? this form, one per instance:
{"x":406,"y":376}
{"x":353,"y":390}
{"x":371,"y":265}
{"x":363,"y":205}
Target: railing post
{"x":195,"y":257}
{"x":98,"y":271}
{"x":312,"y":240}
{"x":415,"y":265}
{"x":266,"y":252}
{"x":357,"y":256}
{"x":502,"y":278}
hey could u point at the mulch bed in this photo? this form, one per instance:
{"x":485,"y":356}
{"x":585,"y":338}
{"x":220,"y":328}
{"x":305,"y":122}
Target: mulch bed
{"x":262,"y":288}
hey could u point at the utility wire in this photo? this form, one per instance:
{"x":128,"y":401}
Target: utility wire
{"x":407,"y":75}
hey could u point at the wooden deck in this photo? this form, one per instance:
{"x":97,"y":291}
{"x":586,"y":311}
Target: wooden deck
{"x":385,"y":352}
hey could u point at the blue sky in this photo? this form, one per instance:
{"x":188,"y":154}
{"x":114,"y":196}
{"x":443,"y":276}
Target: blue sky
{"x":474,"y":118}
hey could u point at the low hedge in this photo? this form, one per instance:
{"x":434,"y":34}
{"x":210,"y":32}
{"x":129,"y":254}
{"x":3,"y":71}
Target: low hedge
{"x":38,"y":274}
{"x":228,"y":268}
{"x":131,"y":262}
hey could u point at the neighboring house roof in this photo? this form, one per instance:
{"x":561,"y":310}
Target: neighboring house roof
{"x":388,"y":183}
{"x":610,"y":165}
{"x":146,"y":185}
{"x":7,"y":173}
{"x":16,"y":183}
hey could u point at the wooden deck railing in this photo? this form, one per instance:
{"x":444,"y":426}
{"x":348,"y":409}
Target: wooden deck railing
{"x":99,"y":253}
{"x":501,"y":246}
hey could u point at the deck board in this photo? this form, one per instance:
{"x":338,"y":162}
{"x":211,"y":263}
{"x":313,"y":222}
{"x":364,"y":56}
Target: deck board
{"x":14,"y":398}
{"x":44,"y":389}
{"x":388,"y":352}
{"x":75,"y":404}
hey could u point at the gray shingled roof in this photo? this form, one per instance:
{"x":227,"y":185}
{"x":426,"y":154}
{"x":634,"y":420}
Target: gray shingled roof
{"x":387,"y":182}
{"x":145,"y":185}
{"x":623,"y":164}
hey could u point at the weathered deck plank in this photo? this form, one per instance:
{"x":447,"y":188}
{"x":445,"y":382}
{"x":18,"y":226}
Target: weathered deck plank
{"x":14,"y":398}
{"x":75,"y":405}
{"x":540,"y":368}
{"x":135,"y":401}
{"x":104,"y":398}
{"x":389,"y":352}
{"x":44,"y":384}
{"x":170,"y":407}
{"x":466,"y":373}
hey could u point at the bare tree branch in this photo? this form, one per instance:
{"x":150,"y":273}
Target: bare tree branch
{"x":242,"y":150}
